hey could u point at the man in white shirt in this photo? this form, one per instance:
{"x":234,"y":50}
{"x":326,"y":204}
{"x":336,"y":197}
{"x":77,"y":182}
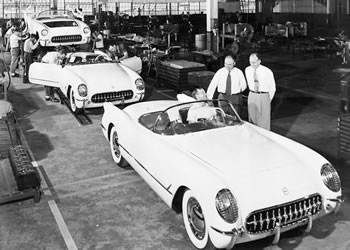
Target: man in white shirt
{"x":262,"y":86}
{"x":55,"y":57}
{"x":200,"y":110}
{"x":15,"y":40}
{"x":229,"y":82}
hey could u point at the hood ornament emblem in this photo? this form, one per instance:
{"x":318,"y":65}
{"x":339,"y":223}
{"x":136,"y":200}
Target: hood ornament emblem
{"x":285,"y":191}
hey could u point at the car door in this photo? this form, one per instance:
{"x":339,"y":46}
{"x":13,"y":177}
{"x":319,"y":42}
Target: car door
{"x":149,"y":149}
{"x":45,"y":74}
{"x":133,"y":63}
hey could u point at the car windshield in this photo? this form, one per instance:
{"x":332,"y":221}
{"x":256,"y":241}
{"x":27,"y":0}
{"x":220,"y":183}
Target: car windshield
{"x":78,"y":59}
{"x":191,"y":117}
{"x":50,"y":14}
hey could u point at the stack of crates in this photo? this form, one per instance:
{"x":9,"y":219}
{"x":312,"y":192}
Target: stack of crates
{"x":174,"y":73}
{"x":343,"y":126}
{"x":8,"y":132}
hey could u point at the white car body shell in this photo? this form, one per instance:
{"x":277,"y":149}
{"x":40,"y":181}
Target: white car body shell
{"x":98,"y":77}
{"x":261,"y":169}
{"x":59,"y":28}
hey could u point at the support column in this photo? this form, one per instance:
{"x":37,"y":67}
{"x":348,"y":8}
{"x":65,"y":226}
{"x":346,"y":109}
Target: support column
{"x":212,"y":25}
{"x":328,"y":7}
{"x":54,"y":5}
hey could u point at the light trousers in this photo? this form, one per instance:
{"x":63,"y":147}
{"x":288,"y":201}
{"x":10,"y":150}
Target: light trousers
{"x":259,"y":109}
{"x":15,"y":52}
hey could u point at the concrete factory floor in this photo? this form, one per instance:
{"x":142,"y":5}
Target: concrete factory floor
{"x":89,"y":203}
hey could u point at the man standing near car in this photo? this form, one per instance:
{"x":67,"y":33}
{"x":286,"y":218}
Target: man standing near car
{"x":262,"y":88}
{"x":29,"y":45}
{"x":15,"y":42}
{"x":229,"y":82}
{"x":55,"y":57}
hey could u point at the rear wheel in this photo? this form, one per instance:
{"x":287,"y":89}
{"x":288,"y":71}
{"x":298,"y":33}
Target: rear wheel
{"x":115,"y":149}
{"x":73,"y":105}
{"x":194,"y":221}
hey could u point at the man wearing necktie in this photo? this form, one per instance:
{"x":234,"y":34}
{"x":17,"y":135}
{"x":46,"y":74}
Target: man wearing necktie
{"x":229,"y":82}
{"x":262,"y":88}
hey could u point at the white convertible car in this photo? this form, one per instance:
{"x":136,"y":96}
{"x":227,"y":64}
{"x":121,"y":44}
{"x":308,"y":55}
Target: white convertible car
{"x":88,"y":79}
{"x":56,"y":28}
{"x":233,"y":182}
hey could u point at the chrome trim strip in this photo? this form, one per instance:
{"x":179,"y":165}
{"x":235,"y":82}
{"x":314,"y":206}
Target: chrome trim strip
{"x":277,"y":232}
{"x":146,"y":170}
{"x":231,"y":233}
{"x":309,"y":223}
{"x":103,"y":127}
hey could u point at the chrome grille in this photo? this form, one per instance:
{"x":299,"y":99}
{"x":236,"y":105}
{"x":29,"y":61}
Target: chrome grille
{"x":66,"y":39}
{"x":287,"y":214}
{"x":112,"y":96}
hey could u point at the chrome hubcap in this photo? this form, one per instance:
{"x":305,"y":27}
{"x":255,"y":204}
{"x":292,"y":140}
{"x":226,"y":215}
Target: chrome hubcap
{"x":196,"y":218}
{"x":116,"y":148}
{"x":72,"y":101}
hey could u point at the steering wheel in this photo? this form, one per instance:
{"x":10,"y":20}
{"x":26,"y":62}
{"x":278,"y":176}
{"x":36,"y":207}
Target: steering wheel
{"x":99,"y":57}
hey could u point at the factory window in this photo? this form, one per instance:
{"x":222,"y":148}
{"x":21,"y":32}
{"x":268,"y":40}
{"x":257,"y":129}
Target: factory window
{"x":125,"y":8}
{"x":342,"y":7}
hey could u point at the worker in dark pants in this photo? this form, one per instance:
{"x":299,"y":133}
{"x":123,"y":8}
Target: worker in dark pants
{"x":55,"y":57}
{"x":29,"y":45}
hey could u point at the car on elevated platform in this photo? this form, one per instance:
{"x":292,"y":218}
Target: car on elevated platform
{"x":57,"y":28}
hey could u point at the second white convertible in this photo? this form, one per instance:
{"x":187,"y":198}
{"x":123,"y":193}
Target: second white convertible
{"x":88,"y":79}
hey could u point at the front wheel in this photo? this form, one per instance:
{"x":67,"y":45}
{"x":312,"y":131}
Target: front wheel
{"x":115,"y":149}
{"x":73,"y":105}
{"x":194,"y":221}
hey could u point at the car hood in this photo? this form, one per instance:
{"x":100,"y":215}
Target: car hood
{"x":103,"y":77}
{"x":252,"y":164}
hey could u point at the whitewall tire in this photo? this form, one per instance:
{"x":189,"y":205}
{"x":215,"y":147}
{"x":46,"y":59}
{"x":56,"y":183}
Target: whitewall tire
{"x":194,"y":221}
{"x":72,"y":103}
{"x":115,"y":149}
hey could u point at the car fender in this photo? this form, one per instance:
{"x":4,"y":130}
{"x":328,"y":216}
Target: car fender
{"x":205,"y":182}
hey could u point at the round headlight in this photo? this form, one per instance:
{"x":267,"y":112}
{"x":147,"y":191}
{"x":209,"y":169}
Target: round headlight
{"x":44,"y":32}
{"x":330,"y":177}
{"x":226,"y":205}
{"x":140,"y":84}
{"x":82,"y":90}
{"x":86,"y":30}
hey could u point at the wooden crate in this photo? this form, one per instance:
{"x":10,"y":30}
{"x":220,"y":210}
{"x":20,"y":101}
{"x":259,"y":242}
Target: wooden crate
{"x":343,"y":128}
{"x":174,"y":73}
{"x":200,"y":79}
{"x":8,"y":134}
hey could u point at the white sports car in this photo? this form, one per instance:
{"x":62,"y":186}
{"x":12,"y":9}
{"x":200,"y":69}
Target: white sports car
{"x":233,"y":181}
{"x":58,"y":27}
{"x":88,"y":79}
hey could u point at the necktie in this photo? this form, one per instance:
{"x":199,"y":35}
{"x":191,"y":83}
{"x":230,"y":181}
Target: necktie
{"x":228,"y":84}
{"x":256,"y":82}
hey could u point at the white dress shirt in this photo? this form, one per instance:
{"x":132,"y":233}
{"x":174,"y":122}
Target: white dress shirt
{"x":14,"y":40}
{"x":200,"y":111}
{"x":29,"y":46}
{"x":265,"y":77}
{"x":51,"y":57}
{"x":238,"y":83}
